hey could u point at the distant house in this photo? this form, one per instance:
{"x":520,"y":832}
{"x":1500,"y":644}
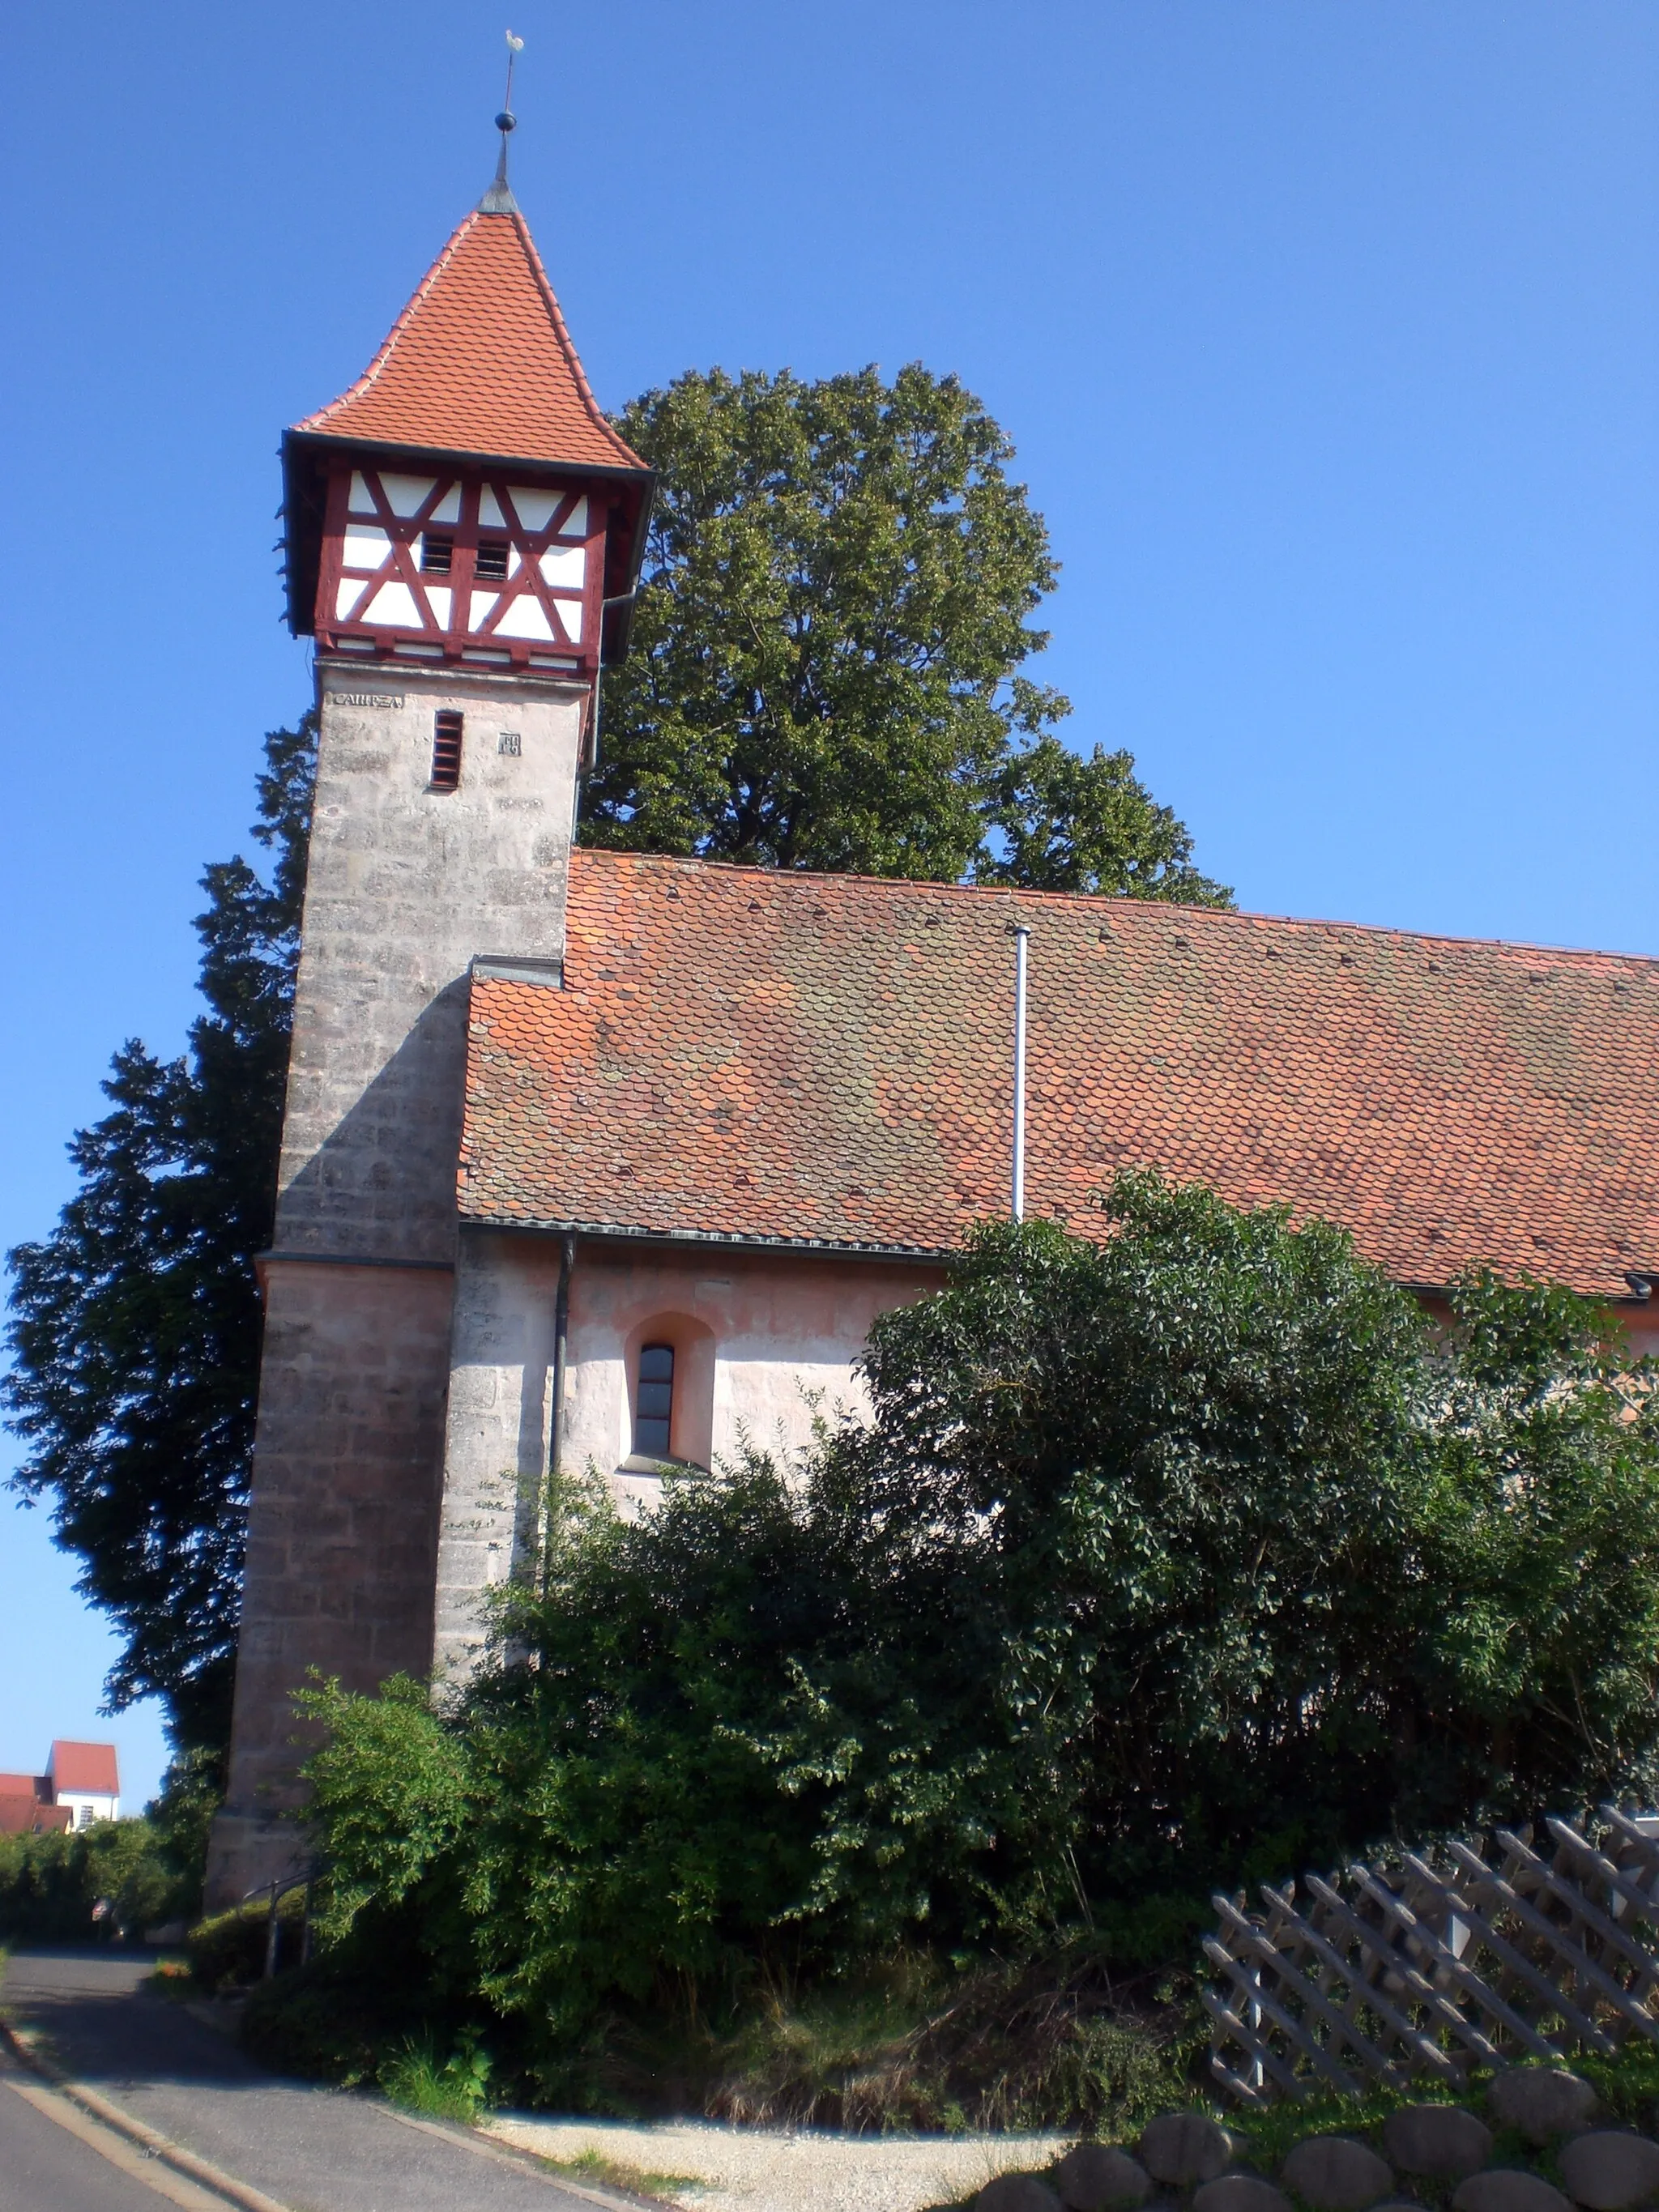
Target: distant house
{"x":82,"y":1784}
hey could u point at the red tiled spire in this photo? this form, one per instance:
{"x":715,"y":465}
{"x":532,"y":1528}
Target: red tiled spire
{"x":480,"y":361}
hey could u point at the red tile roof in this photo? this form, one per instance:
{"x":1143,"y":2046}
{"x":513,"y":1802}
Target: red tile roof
{"x":22,"y":1815}
{"x":480,"y":361}
{"x":88,"y":1769}
{"x":26,"y":1785}
{"x":827,"y":1059}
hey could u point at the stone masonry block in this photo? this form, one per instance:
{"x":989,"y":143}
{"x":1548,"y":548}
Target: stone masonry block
{"x":1334,"y":2174}
{"x":1540,"y":2101}
{"x":1184,"y":2148}
{"x":1439,"y":2141}
{"x":1611,"y":2171}
{"x":1094,"y":2178}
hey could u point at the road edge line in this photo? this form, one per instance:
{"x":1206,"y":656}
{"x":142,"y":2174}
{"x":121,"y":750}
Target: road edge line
{"x":147,"y":2139}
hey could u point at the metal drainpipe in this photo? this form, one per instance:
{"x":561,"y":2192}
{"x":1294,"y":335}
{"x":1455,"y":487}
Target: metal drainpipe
{"x":1022,"y":939}
{"x":617,"y":600}
{"x":561,"y":1349}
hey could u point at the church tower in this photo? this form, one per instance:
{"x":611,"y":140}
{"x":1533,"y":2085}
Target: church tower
{"x":462,"y":530}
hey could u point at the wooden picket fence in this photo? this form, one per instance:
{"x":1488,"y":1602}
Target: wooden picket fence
{"x":1455,"y":1957}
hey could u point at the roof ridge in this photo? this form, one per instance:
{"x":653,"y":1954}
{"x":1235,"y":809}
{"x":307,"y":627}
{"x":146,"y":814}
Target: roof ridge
{"x":561,"y":332}
{"x":1220,"y":917}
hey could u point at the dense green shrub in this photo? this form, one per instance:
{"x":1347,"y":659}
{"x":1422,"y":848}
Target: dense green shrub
{"x":227,"y":1950}
{"x":1196,"y":1553}
{"x":102,"y":1884}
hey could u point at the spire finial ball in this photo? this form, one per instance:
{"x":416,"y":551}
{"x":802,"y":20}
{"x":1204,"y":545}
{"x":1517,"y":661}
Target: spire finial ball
{"x":507,"y":121}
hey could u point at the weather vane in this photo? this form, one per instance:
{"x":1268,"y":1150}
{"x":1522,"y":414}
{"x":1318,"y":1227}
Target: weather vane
{"x":499,"y":199}
{"x":506,"y":119}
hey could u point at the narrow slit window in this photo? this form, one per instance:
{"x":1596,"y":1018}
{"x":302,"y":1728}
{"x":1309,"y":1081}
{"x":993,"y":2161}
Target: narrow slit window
{"x":446,"y":750}
{"x":655,"y":1409}
{"x":437,"y":554}
{"x":491,"y":563}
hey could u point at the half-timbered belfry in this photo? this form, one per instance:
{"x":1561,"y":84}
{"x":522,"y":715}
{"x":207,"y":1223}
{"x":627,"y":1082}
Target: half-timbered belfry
{"x":462,"y":528}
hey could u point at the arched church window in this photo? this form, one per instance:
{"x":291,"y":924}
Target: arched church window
{"x":653,"y":1406}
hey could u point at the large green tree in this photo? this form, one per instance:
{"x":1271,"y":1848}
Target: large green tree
{"x":834,"y":610}
{"x":135,"y":1323}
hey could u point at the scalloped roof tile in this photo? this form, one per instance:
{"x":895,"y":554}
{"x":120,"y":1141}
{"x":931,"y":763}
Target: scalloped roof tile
{"x":826,"y":1060}
{"x":480,"y":361}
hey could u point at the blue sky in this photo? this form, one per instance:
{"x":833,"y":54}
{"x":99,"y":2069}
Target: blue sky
{"x":1328,"y":336}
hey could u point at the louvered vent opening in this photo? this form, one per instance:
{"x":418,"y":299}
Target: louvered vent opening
{"x":446,"y":750}
{"x":437,"y":554}
{"x":491,"y":564}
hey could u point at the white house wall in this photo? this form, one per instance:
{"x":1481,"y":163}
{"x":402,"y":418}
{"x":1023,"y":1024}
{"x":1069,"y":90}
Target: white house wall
{"x":765,"y":1343}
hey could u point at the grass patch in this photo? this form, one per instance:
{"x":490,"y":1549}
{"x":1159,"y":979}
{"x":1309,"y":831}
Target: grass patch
{"x":618,"y":2173}
{"x":1060,"y":2042}
{"x":1064,"y":2042}
{"x":452,"y":2088}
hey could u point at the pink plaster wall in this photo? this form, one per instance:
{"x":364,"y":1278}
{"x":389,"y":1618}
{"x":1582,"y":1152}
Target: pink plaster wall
{"x":755,"y":1336}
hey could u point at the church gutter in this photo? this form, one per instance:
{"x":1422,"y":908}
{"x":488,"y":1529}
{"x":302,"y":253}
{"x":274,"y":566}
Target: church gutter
{"x":937,"y":1255}
{"x":928,"y":1255}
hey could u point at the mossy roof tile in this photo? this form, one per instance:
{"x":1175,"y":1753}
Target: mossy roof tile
{"x":827,"y":1060}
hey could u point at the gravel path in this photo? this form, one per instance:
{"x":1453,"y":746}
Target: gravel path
{"x":758,"y":2170}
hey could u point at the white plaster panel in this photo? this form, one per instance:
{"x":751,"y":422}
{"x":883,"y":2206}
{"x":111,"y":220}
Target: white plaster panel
{"x":347,"y":594}
{"x":525,"y":617}
{"x":448,"y":508}
{"x":482,"y":602}
{"x":360,"y":500}
{"x":535,"y":509}
{"x":490,"y":511}
{"x":364,"y":547}
{"x":575,"y":523}
{"x":772,"y":1402}
{"x":566,"y":565}
{"x":596,"y":1413}
{"x":393,"y":605}
{"x":438,"y":596}
{"x":786,"y":1334}
{"x":405,"y":495}
{"x":570,"y":614}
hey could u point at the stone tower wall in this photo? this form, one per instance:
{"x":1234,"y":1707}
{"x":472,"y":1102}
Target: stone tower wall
{"x":406,"y":886}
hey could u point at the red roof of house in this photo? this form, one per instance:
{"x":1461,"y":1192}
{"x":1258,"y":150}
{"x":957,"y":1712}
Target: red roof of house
{"x":826,"y":1060}
{"x":86,"y":1768}
{"x":26,"y":1785}
{"x":480,"y":361}
{"x":24,"y":1815}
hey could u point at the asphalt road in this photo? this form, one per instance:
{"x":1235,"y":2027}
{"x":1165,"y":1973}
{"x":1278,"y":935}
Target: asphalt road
{"x":318,"y":2148}
{"x":45,"y":2167}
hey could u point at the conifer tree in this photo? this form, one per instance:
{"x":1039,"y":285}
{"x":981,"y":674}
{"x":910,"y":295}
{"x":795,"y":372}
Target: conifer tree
{"x":135,"y":1323}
